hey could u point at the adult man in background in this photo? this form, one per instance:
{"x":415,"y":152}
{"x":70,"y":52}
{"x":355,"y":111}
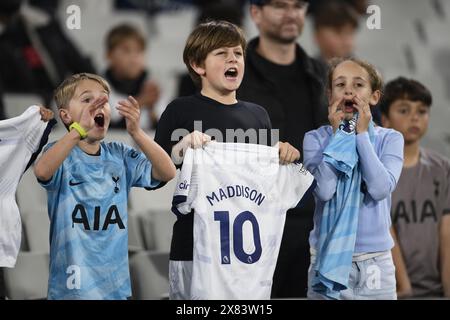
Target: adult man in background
{"x":281,"y":77}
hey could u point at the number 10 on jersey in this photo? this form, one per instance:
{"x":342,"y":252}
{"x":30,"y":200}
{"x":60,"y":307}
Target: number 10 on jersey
{"x":237,"y":237}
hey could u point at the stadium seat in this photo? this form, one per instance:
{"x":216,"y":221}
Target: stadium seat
{"x":157,"y":229}
{"x":149,"y":272}
{"x":17,"y":103}
{"x":36,"y":225}
{"x":28,"y":279}
{"x":160,"y":199}
{"x":31,"y":196}
{"x":135,"y":237}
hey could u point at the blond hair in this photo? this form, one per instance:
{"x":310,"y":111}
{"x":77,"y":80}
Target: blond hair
{"x":207,"y":37}
{"x":65,"y":91}
{"x":376,"y":81}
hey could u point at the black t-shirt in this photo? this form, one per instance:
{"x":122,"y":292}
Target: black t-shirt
{"x":296,"y":104}
{"x":209,"y":114}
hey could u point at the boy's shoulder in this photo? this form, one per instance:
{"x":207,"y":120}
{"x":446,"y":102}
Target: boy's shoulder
{"x":434,"y":158}
{"x":181,"y":102}
{"x":252,"y":106}
{"x":119,"y":149}
{"x":112,"y":147}
{"x":259,"y":112}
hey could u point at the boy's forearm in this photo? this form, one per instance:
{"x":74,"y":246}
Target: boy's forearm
{"x":445,"y":253}
{"x":52,"y":159}
{"x":163,"y":168}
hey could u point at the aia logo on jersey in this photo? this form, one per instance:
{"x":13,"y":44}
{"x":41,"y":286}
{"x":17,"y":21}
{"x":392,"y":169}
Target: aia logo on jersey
{"x":183,"y":185}
{"x":79,"y":216}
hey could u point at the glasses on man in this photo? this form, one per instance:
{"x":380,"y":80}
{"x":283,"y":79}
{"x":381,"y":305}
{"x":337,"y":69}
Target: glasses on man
{"x":283,"y":6}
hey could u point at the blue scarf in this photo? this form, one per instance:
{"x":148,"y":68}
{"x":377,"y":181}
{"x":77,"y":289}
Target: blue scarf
{"x":339,"y":220}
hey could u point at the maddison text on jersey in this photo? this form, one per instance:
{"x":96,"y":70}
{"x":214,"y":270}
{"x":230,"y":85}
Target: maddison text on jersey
{"x":236,"y":191}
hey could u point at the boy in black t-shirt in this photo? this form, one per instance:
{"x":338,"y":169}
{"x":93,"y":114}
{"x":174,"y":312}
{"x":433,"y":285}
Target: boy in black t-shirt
{"x":214,"y":56}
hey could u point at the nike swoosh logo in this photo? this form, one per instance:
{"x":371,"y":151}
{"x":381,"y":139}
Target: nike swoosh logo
{"x":72,"y":183}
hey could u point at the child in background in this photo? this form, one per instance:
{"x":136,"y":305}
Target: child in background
{"x":421,"y":201}
{"x":335,"y":27}
{"x":127,"y":75}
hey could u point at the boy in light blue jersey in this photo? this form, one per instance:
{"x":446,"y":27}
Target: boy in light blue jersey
{"x":88,"y":182}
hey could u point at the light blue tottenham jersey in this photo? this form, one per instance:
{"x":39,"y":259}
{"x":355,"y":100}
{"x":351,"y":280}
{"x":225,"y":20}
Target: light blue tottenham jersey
{"x":87,"y":205}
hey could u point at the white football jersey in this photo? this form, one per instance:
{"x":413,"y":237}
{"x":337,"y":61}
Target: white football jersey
{"x":20,"y":137}
{"x":240,"y":194}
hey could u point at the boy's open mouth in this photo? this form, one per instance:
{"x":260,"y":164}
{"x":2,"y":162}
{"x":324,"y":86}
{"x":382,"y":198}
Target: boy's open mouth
{"x":231,"y":73}
{"x":100,"y":120}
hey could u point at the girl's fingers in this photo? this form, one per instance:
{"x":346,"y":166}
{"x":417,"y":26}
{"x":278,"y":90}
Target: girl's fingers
{"x":364,"y":106}
{"x":335,"y":104}
{"x":357,"y":107}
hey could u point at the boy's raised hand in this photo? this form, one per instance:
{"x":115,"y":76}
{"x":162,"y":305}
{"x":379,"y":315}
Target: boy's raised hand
{"x":130,"y":110}
{"x":87,"y":115}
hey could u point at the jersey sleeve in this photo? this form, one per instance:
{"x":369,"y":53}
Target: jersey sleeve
{"x":293,"y":182}
{"x":55,"y":181}
{"x":167,"y":124}
{"x":139,"y":169}
{"x":186,"y":188}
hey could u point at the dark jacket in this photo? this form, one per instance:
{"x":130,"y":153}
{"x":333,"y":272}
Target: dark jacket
{"x":258,"y":87}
